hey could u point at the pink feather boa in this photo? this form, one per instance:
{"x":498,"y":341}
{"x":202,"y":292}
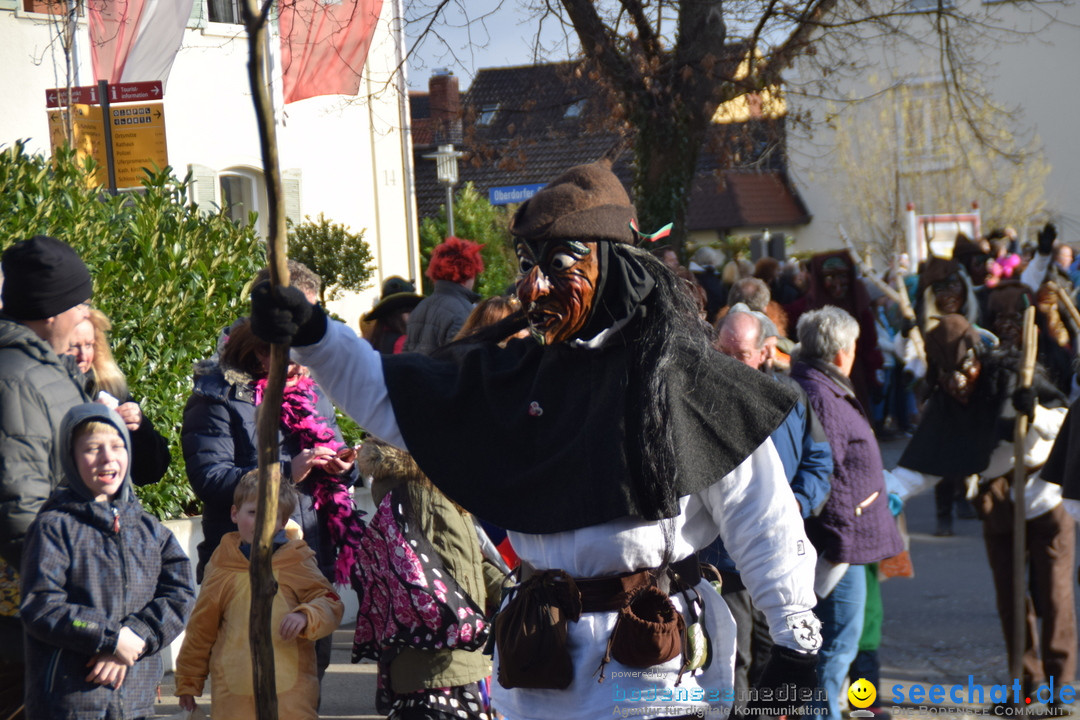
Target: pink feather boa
{"x":332,"y":498}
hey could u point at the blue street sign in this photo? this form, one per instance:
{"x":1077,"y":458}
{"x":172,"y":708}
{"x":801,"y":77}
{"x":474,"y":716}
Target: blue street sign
{"x":512,"y":193}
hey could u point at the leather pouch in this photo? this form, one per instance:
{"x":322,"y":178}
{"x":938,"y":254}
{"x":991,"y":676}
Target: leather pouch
{"x":531,"y":631}
{"x":649,"y":631}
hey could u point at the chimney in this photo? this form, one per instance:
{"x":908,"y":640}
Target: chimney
{"x":444,"y":100}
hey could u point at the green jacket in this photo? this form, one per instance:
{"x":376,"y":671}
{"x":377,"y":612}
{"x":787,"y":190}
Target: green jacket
{"x":453,"y":534}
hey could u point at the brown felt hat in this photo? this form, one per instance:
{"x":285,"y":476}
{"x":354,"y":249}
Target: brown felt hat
{"x":397,"y":294}
{"x":936,"y":270}
{"x":587,"y":202}
{"x":1008,"y":298}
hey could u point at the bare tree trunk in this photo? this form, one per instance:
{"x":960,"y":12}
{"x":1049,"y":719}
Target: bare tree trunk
{"x":665,"y":172}
{"x":263,"y":585}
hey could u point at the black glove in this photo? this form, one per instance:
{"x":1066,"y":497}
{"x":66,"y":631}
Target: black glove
{"x":1047,"y":236}
{"x":285,"y":317}
{"x":785,"y":668}
{"x":1023,"y":401}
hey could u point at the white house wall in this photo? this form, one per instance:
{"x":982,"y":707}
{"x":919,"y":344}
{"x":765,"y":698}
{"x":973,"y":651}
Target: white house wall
{"x":1036,"y":73}
{"x":346,"y":151}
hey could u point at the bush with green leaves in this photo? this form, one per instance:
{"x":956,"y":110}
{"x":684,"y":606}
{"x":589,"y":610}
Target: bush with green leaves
{"x":170,"y":275}
{"x":478,"y":220}
{"x":342,"y":258}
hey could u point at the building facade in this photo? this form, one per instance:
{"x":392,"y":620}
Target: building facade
{"x":348,"y":158}
{"x":880,"y":138}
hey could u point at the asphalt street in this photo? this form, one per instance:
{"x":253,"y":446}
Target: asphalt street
{"x":940,"y":628}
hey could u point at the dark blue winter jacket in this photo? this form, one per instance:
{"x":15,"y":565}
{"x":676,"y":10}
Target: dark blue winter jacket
{"x":89,"y":569}
{"x":218,"y":440}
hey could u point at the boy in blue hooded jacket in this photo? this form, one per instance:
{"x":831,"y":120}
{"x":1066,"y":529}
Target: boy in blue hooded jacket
{"x":105,"y":586}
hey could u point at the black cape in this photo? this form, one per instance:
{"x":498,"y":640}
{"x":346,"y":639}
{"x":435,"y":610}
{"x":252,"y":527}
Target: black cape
{"x":1063,"y":465}
{"x":957,"y":439}
{"x":533,"y":438}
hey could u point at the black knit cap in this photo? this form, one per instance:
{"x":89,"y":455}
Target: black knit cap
{"x":587,"y":202}
{"x":43,"y":277}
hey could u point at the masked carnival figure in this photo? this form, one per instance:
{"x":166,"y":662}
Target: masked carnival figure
{"x":612,"y":445}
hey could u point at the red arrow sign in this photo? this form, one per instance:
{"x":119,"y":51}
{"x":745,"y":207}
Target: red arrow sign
{"x":85,"y":95}
{"x":118,"y":93}
{"x":135,"y":91}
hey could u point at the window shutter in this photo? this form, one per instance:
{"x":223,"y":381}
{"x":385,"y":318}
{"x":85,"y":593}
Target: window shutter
{"x":204,"y":189}
{"x":197,"y":19}
{"x":290,"y":187}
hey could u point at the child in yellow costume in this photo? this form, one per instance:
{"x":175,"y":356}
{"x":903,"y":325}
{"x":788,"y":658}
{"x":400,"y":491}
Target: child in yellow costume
{"x":305,"y":609}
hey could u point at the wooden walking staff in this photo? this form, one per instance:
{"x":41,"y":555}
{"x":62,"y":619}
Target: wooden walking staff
{"x":263,"y":584}
{"x":1019,"y":480}
{"x":1066,"y":302}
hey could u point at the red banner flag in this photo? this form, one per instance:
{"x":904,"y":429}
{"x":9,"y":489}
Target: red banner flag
{"x":135,"y":40}
{"x":324,"y":44}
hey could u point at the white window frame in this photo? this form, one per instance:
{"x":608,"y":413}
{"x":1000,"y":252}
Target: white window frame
{"x":926,"y":6}
{"x":487,"y":114}
{"x":237,"y":12}
{"x":254,"y":196}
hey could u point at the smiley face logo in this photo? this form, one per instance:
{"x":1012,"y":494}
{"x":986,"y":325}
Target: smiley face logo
{"x":862,"y":693}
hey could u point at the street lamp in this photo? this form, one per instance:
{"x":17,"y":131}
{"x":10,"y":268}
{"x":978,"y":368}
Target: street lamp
{"x":446,"y":171}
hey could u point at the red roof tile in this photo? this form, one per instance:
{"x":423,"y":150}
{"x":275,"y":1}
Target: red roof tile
{"x":735,"y":199}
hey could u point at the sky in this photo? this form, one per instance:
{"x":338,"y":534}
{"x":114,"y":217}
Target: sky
{"x":475,"y":34}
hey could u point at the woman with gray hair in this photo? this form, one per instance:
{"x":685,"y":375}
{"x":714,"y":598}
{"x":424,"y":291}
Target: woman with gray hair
{"x":855,"y":527}
{"x":824,"y":333}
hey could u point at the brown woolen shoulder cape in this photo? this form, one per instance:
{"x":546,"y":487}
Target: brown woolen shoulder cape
{"x":534,"y":438}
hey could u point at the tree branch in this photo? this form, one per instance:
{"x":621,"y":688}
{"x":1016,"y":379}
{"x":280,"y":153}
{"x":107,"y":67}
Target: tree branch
{"x":782,"y":58}
{"x":598,"y":43}
{"x":646,"y":33}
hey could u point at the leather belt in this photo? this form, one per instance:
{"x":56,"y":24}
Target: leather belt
{"x":610,"y":592}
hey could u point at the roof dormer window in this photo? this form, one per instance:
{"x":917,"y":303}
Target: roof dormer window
{"x":574,"y":109}
{"x":487,"y":114}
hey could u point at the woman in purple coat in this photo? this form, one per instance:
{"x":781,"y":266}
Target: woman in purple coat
{"x":855,"y":527}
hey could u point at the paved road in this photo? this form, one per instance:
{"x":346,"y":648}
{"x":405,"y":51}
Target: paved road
{"x":939,"y":627}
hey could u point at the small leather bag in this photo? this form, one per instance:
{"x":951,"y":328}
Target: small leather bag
{"x":531,"y":631}
{"x":649,"y":631}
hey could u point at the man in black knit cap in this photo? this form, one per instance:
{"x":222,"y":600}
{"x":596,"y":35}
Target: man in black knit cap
{"x":46,"y":293}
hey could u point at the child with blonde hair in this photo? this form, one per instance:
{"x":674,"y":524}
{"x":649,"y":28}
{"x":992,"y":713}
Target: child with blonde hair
{"x":105,"y":586}
{"x":305,"y":609}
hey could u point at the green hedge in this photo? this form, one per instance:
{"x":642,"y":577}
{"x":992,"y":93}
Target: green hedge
{"x":478,"y":220}
{"x":170,"y":275}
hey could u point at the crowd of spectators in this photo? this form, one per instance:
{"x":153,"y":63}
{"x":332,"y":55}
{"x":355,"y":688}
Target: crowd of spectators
{"x":929,"y":357}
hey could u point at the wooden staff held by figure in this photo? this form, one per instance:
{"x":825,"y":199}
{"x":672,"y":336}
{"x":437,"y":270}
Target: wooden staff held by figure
{"x":898,"y":295}
{"x":1019,"y":480}
{"x":256,"y":15}
{"x":1066,"y":302}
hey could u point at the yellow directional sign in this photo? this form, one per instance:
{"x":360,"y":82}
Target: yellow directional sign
{"x":138,"y":139}
{"x":88,"y":134}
